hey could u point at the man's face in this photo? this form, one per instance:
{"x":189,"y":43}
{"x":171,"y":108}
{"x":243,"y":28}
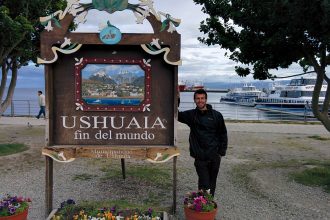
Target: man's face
{"x":200,"y":101}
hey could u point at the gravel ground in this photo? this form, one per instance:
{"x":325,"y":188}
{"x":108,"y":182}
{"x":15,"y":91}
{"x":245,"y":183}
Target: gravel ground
{"x":256,"y":149}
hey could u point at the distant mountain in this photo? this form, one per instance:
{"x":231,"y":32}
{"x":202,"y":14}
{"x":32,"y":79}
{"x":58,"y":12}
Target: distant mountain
{"x":101,"y":76}
{"x":230,"y":85}
{"x":139,"y":82}
{"x":125,"y":77}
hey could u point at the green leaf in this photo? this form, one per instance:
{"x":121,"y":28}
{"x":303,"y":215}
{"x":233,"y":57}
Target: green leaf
{"x":164,"y":25}
{"x":57,"y":23}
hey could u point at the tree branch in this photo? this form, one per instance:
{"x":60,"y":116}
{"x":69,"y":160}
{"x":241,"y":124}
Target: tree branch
{"x":13,"y":46}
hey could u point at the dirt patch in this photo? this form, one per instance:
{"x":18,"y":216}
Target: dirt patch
{"x":33,"y":137}
{"x":272,"y":155}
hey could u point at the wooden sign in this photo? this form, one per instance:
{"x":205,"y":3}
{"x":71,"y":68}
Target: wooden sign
{"x":110,"y":94}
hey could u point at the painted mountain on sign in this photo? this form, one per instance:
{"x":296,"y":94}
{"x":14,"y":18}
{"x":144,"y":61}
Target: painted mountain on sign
{"x":102,"y":77}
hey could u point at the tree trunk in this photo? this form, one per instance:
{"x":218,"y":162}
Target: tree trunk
{"x":322,"y":116}
{"x":10,"y":92}
{"x":4,"y":74}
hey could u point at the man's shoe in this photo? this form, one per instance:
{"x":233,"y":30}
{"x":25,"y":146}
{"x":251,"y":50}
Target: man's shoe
{"x":37,"y":117}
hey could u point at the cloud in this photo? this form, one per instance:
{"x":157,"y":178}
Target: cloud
{"x":200,"y":62}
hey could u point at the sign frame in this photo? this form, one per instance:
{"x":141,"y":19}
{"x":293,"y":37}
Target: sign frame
{"x":56,"y":38}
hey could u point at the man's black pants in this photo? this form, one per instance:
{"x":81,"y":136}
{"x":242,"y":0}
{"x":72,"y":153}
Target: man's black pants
{"x":207,"y":171}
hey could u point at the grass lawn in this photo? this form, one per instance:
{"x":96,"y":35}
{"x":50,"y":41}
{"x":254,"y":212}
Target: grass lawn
{"x":316,"y":176}
{"x":8,"y":149}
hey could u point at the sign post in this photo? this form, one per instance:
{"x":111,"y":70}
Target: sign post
{"x":110,"y":94}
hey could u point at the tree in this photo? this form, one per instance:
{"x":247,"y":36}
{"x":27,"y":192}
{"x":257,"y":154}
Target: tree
{"x":19,"y":38}
{"x":272,"y":34}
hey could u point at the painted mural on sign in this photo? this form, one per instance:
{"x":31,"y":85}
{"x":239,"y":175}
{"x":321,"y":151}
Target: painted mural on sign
{"x":113,"y":84}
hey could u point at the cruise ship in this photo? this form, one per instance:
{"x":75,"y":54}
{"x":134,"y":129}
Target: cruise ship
{"x":245,"y":95}
{"x":294,"y":98}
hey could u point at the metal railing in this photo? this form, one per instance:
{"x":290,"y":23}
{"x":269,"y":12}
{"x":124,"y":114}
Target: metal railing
{"x":30,"y":108}
{"x":22,"y":108}
{"x":238,"y":112}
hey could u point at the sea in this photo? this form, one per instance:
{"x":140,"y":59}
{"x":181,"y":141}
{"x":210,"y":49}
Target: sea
{"x":25,"y":103}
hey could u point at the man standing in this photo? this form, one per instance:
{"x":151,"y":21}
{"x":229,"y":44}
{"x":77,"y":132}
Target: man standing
{"x":207,"y":139}
{"x":42,"y":104}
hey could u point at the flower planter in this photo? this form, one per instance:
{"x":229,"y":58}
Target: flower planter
{"x":20,"y":216}
{"x":194,"y":215}
{"x":166,"y":216}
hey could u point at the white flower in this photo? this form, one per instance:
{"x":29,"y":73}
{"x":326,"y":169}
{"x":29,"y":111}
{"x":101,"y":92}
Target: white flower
{"x":61,"y":154}
{"x":146,"y":107}
{"x":171,"y":28}
{"x":79,"y":107}
{"x":79,"y":61}
{"x":159,"y":155}
{"x":147,"y":62}
{"x":49,"y":26}
{"x":67,"y":41}
{"x":155,"y":42}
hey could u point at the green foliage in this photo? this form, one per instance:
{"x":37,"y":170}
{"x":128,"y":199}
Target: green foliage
{"x":103,"y":210}
{"x":318,"y":137}
{"x":267,"y":34}
{"x":83,"y":176}
{"x":20,"y":27}
{"x":8,"y":149}
{"x":317,"y":176}
{"x":156,"y":175}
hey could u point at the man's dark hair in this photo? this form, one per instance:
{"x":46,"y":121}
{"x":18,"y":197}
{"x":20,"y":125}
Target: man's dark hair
{"x":200,"y":91}
{"x":40,"y":92}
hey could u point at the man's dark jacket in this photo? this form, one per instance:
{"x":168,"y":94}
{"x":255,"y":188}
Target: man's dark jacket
{"x":208,"y":133}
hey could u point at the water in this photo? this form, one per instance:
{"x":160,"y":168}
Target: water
{"x":26,"y":103}
{"x":234,"y":111}
{"x":112,"y":101}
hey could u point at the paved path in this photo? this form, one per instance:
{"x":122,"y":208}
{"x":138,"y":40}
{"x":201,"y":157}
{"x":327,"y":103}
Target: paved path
{"x":22,"y":121}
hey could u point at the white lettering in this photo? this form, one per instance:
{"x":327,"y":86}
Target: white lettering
{"x":133,"y":123}
{"x":64,"y":121}
{"x":83,"y":121}
{"x":113,"y":123}
{"x":160,"y":123}
{"x":104,"y":122}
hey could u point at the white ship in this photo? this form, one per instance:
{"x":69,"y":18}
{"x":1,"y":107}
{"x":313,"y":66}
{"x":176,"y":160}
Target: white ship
{"x":294,"y":98}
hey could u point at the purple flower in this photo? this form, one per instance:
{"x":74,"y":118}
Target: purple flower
{"x":70,"y":201}
{"x":12,"y":210}
{"x":198,"y":207}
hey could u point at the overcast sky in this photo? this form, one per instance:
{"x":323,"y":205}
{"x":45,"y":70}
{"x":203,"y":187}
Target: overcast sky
{"x":200,"y":62}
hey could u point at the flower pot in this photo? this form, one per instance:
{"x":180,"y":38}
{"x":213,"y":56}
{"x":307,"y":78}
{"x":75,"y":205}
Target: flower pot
{"x":194,"y":215}
{"x":20,"y":216}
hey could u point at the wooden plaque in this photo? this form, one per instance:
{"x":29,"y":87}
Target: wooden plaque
{"x":110,"y":100}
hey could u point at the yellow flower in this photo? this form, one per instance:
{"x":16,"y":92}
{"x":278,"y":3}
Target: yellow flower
{"x":108,"y":215}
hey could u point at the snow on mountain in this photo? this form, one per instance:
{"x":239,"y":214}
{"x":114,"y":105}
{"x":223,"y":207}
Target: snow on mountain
{"x":101,"y":73}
